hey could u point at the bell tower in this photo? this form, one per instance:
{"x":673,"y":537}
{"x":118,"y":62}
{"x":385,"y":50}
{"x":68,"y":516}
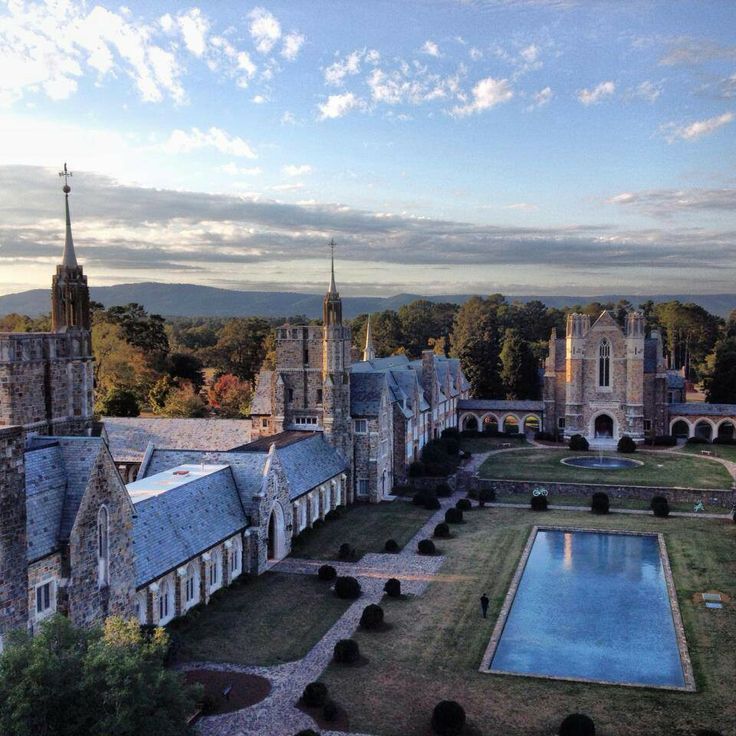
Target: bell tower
{"x":69,"y":291}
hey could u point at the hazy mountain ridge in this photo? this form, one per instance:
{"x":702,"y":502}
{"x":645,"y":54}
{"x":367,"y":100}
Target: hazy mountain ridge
{"x":191,"y":300}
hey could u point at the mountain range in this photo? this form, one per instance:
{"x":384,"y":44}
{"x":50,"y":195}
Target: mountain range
{"x":191,"y":300}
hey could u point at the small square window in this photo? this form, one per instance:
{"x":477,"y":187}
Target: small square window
{"x":361,"y":426}
{"x":319,"y":395}
{"x":43,"y":598}
{"x":264,"y":423}
{"x":561,"y":423}
{"x":362,"y":486}
{"x":290,"y":394}
{"x":647,"y":425}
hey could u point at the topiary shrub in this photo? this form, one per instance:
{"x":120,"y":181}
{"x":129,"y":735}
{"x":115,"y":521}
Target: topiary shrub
{"x":448,"y":718}
{"x":486,"y":495}
{"x":578,"y":443}
{"x":326,"y":573}
{"x":332,"y":515}
{"x":443,"y":490}
{"x":372,"y":617}
{"x":392,"y":588}
{"x":432,"y":503}
{"x":539,"y":503}
{"x":442,"y":531}
{"x":599,"y":503}
{"x":346,"y":651}
{"x":416,"y":470}
{"x":660,"y":506}
{"x":418,"y":498}
{"x":347,"y":588}
{"x":314,"y":695}
{"x":329,"y":711}
{"x":317,"y":524}
{"x":391,"y":546}
{"x":454,"y":516}
{"x":626,"y":444}
{"x":577,"y":724}
{"x":697,"y":440}
{"x":346,"y":552}
{"x":464,"y":504}
{"x":426,"y":547}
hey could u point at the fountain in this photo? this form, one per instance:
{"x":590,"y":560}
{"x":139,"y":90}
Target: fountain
{"x":601,"y":462}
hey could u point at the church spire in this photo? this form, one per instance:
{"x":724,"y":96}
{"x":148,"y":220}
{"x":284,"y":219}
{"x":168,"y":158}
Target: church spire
{"x":332,"y":304}
{"x":369,"y":352}
{"x":69,"y":259}
{"x":333,"y":288}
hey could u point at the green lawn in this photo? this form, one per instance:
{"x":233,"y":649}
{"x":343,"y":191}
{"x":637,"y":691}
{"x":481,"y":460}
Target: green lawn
{"x":659,"y":469}
{"x":477,"y":445}
{"x":727,"y":452}
{"x":616,"y":503}
{"x":365,"y":527}
{"x":434,"y":646}
{"x":270,"y":619}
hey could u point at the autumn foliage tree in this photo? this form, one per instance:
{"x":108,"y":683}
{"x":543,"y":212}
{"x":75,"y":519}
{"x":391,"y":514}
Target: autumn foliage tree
{"x":230,"y":397}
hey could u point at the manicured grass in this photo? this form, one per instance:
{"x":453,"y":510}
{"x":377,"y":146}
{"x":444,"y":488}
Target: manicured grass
{"x":477,"y":445}
{"x":434,"y":646}
{"x":270,"y":619}
{"x":659,"y":469}
{"x":616,"y":503}
{"x":727,"y":452}
{"x":365,"y":527}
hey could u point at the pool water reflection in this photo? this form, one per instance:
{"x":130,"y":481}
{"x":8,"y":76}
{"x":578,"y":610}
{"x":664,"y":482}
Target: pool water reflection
{"x":592,"y":606}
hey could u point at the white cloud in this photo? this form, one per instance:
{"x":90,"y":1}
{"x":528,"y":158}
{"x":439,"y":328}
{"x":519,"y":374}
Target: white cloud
{"x":488,"y":93}
{"x":475,"y":53}
{"x":530,"y":54}
{"x":259,"y":99}
{"x":181,"y":141}
{"x":234,"y":170}
{"x":296,"y":170}
{"x":696,"y":130}
{"x":338,"y":105}
{"x":594,"y":96}
{"x":411,"y":84}
{"x":541,"y":98}
{"x":194,"y":28}
{"x":647,"y":91}
{"x":264,"y":28}
{"x":292,"y":45}
{"x":430,"y":48}
{"x":288,"y":118}
{"x":349,"y":66}
{"x":296,"y":186}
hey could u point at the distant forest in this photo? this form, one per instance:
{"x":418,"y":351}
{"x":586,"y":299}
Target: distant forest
{"x":188,"y":367}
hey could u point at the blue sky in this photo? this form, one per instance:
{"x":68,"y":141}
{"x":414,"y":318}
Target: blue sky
{"x":447,"y":146}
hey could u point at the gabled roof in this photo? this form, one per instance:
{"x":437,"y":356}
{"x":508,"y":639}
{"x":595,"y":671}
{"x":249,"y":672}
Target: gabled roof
{"x":381,"y":364}
{"x":366,"y":390}
{"x":173,"y":525}
{"x":129,"y":437}
{"x":260,"y":404}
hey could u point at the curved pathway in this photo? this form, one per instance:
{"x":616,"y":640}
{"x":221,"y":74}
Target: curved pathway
{"x":277,"y":715}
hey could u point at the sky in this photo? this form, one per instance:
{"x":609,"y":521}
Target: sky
{"x":448,"y":146}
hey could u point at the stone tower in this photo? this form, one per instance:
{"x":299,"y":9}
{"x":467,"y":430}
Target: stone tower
{"x":578,"y":327}
{"x":69,"y":292}
{"x":336,"y":341}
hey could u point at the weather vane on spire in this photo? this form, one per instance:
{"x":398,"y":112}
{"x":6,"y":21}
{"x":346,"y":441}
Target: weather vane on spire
{"x":66,"y":174}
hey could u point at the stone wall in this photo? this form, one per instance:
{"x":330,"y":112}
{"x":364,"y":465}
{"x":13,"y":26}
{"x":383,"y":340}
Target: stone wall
{"x":88,"y":602}
{"x":722,"y":498}
{"x":43,"y":571}
{"x":13,"y":571}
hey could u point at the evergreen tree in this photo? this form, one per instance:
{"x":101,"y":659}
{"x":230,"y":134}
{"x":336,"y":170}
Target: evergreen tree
{"x":519,"y":372}
{"x":720,"y":386}
{"x":241,"y":347}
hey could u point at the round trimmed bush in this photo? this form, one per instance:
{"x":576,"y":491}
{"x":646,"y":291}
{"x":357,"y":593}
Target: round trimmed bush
{"x":442,"y":531}
{"x":329,"y":711}
{"x":391,"y":546}
{"x":326,"y":573}
{"x":315,"y":695}
{"x":660,"y":507}
{"x":317,"y":524}
{"x":448,"y":718}
{"x":372,"y":617}
{"x":577,"y":724}
{"x":599,"y":503}
{"x":307,"y":732}
{"x":486,"y":495}
{"x":578,"y":443}
{"x":464,"y":504}
{"x":332,"y":515}
{"x":539,"y":503}
{"x":347,"y":587}
{"x":426,"y":547}
{"x":346,"y":651}
{"x":443,"y":490}
{"x":454,"y":516}
{"x":346,"y":552}
{"x":392,"y":588}
{"x":626,"y":444}
{"x":432,"y":503}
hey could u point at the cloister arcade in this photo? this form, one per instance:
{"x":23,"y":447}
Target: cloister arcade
{"x":514,"y":422}
{"x":707,"y":427}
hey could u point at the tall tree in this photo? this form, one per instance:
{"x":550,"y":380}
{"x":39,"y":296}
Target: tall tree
{"x":241,"y":348}
{"x":421,"y":320}
{"x":140,"y":329}
{"x":519,"y":367}
{"x":230,"y":397}
{"x":720,"y":385}
{"x":474,"y":341}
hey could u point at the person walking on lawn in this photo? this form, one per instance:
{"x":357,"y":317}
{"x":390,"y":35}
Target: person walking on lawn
{"x":484,"y":605}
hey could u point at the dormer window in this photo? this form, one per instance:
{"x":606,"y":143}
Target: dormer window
{"x":604,"y":364}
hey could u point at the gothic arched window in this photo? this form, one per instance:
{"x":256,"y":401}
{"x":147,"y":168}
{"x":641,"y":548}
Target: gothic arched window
{"x":191,"y":586}
{"x":163,"y":602}
{"x":103,"y":548}
{"x":604,"y":363}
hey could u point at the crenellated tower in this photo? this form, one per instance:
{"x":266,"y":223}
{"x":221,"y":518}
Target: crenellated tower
{"x":577,"y":329}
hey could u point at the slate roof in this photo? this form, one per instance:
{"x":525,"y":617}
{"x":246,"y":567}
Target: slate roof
{"x":381,"y":364}
{"x":492,"y":405}
{"x":693,"y":408}
{"x":184,"y":521}
{"x":129,"y":437}
{"x":650,"y":355}
{"x":309,"y":463}
{"x":261,"y":401}
{"x":366,"y":390}
{"x":675,"y":379}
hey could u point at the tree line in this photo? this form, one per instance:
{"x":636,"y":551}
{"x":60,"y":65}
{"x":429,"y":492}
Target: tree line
{"x":189,"y":367}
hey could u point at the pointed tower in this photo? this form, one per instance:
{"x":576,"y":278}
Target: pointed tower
{"x":69,"y":292}
{"x":336,"y":340}
{"x":369,"y":352}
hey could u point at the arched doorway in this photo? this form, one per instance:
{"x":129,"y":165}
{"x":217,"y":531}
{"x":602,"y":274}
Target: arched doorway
{"x":490,"y":424}
{"x":470,"y":423}
{"x":531,"y":423}
{"x":704,"y":429}
{"x":276,"y":542}
{"x":604,"y":426}
{"x":726,"y":431}
{"x":681,"y":429}
{"x":511,"y":424}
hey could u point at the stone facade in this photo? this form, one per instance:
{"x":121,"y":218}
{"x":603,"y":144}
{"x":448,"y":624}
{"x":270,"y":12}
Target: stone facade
{"x":604,"y":382}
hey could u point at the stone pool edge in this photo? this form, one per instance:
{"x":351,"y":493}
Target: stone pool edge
{"x":687,"y":670}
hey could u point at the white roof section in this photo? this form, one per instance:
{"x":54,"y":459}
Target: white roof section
{"x":168,"y":480}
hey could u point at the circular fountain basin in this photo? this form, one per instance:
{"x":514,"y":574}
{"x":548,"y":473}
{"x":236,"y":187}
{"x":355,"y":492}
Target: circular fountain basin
{"x":601,"y":463}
